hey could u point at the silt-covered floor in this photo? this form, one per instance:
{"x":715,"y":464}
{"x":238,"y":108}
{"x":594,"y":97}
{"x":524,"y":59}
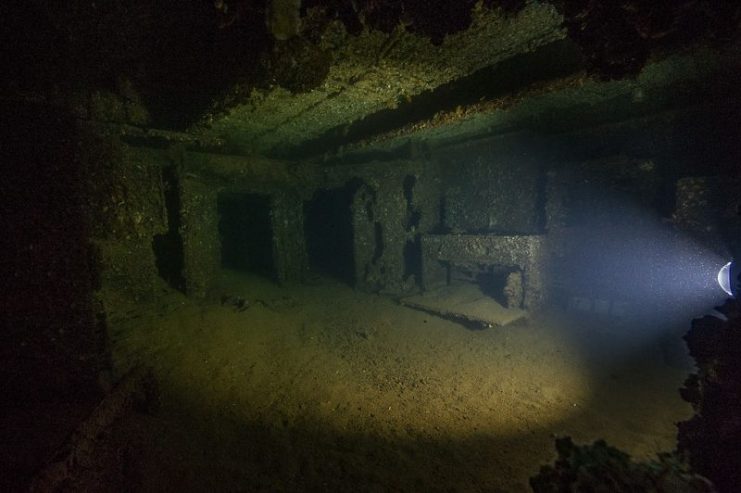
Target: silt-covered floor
{"x":319,"y":387}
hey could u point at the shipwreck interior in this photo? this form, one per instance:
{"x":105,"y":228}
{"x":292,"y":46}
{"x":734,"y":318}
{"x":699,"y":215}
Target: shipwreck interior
{"x":371,"y":245}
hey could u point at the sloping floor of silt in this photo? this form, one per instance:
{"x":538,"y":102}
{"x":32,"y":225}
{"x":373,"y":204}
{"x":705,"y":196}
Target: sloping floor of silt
{"x":322,"y":388}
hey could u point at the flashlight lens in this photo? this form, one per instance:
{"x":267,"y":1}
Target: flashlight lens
{"x":724,"y":278}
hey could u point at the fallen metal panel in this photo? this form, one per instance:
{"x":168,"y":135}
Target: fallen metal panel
{"x":465,"y":302}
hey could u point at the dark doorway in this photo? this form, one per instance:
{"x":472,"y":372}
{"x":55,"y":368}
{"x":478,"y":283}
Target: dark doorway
{"x":168,"y":247}
{"x":246,"y":232}
{"x":413,"y":259}
{"x":413,"y":246}
{"x":329,"y":233}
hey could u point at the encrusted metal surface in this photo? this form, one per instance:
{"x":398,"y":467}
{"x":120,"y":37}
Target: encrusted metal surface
{"x":374,"y":71}
{"x":522,"y":251}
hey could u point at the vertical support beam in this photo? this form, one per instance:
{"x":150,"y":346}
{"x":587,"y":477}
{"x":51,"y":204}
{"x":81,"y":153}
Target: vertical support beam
{"x":533,"y":273}
{"x":289,"y":240}
{"x":379,"y":236}
{"x":391,"y":213}
{"x":200,"y":233}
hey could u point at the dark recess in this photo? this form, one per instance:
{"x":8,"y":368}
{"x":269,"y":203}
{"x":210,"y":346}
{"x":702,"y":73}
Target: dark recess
{"x":413,"y":259}
{"x":413,"y":246}
{"x":617,"y":38}
{"x":168,"y":247}
{"x":52,"y":335}
{"x":50,"y":345}
{"x":176,"y":55}
{"x":329,"y":233}
{"x":442,"y":212}
{"x":246,"y":230}
{"x":492,"y":283}
{"x":378,"y":243}
{"x":413,"y":215}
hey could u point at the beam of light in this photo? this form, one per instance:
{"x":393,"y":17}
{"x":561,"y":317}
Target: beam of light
{"x":620,"y":253}
{"x":724,"y":278}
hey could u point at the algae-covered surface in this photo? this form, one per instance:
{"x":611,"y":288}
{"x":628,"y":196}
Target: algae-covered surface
{"x":375,"y":71}
{"x":319,"y":387}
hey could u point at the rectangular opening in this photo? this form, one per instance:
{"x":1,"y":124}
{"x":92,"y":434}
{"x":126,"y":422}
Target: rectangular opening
{"x":246,"y":232}
{"x":329,"y":233}
{"x":168,"y":247}
{"x":504,"y":284}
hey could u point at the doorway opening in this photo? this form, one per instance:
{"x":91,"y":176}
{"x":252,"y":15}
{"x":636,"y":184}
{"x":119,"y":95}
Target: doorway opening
{"x":168,"y":247}
{"x":246,"y":232}
{"x":329,"y":233}
{"x":413,"y":259}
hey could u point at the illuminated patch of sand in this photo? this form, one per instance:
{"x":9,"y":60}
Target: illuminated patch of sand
{"x":326,"y":357}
